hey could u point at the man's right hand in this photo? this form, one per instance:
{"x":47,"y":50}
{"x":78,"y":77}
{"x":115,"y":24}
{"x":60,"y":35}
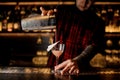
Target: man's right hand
{"x":47,"y":12}
{"x":69,"y":66}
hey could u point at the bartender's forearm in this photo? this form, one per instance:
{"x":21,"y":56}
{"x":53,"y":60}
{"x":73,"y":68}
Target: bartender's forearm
{"x":86,"y":55}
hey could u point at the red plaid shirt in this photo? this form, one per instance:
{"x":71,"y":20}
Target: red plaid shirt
{"x":77,"y":30}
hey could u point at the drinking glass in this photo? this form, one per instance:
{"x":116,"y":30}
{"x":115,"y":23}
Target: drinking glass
{"x":57,"y":51}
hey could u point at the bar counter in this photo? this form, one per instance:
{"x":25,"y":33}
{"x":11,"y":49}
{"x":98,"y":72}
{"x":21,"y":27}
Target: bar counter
{"x":32,"y":73}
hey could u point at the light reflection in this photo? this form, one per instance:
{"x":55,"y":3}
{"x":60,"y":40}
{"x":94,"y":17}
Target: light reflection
{"x":37,"y":70}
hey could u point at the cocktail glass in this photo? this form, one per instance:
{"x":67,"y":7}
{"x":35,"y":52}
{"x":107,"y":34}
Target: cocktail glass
{"x":57,"y":51}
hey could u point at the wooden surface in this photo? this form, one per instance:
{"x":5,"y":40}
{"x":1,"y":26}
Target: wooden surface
{"x":17,"y":73}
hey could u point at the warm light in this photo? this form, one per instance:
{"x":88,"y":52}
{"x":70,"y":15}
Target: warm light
{"x":109,"y":59}
{"x":26,"y":30}
{"x":42,"y":53}
{"x":39,"y":40}
{"x":109,"y":43}
{"x":119,"y":42}
{"x":0,"y":26}
{"x":8,"y":3}
{"x":16,"y":26}
{"x":37,"y":70}
{"x":51,"y":40}
{"x":114,"y":51}
{"x":108,"y":51}
{"x":47,"y":3}
{"x":112,"y":28}
{"x":9,"y":30}
{"x":27,"y":70}
{"x":39,"y":53}
{"x":35,"y":30}
{"x":46,"y":30}
{"x":10,"y":26}
{"x":40,"y":60}
{"x":98,"y":13}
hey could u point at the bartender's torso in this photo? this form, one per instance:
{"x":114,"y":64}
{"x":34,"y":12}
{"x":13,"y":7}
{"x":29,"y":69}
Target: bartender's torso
{"x":76,"y":29}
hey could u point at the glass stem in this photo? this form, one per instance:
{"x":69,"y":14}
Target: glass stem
{"x":57,"y":60}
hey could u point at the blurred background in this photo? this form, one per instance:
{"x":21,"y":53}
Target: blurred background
{"x":26,"y":47}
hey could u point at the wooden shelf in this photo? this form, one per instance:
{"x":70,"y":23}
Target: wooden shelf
{"x":107,"y":3}
{"x":25,"y":34}
{"x":112,"y":35}
{"x":55,"y":3}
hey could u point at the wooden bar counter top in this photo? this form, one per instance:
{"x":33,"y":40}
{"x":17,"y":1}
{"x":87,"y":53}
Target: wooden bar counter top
{"x":36,"y":73}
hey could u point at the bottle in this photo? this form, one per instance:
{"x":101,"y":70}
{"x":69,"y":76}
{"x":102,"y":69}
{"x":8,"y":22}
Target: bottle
{"x":10,"y":21}
{"x":116,"y":19}
{"x":17,"y":19}
{"x":1,"y":17}
{"x":23,"y":12}
{"x":4,"y":25}
{"x":4,"y":22}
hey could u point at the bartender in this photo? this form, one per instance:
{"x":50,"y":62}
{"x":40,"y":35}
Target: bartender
{"x":82,"y":32}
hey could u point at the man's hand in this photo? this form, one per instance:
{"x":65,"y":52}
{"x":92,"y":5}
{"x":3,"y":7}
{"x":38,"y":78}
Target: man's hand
{"x":47,"y":12}
{"x":68,"y":67}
